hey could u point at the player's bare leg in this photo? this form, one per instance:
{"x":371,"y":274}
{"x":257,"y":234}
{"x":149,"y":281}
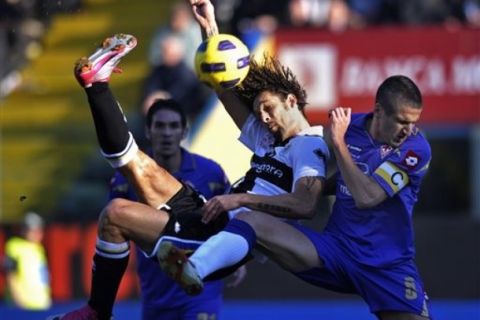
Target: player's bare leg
{"x":120,"y":221}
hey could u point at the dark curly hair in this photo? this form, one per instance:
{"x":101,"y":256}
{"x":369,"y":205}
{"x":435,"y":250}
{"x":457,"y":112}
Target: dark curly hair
{"x":270,"y":76}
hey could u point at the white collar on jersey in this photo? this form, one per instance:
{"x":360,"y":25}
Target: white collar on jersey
{"x":312,"y":131}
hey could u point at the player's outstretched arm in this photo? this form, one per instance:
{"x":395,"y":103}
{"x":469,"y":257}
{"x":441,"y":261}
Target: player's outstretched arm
{"x":204,"y":13}
{"x":299,"y":204}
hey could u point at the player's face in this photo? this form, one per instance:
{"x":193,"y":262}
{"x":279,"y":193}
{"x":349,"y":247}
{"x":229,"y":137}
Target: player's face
{"x":395,"y":128}
{"x":272,"y":110}
{"x":166,"y":132}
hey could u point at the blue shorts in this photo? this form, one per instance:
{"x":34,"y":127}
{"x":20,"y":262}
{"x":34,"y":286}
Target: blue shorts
{"x":394,"y":288}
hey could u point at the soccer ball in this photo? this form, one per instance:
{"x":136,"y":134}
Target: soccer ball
{"x":222,"y":61}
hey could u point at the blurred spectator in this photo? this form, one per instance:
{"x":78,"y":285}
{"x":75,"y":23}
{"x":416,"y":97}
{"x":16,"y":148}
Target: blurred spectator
{"x":248,"y":18}
{"x":409,"y":12}
{"x":368,"y":12}
{"x":260,"y":16}
{"x":26,"y":266}
{"x":264,"y":16}
{"x":413,"y":12}
{"x":23,"y":24}
{"x":174,"y":79}
{"x":309,"y":13}
{"x":471,"y":9}
{"x":330,"y":14}
{"x":183,"y":27}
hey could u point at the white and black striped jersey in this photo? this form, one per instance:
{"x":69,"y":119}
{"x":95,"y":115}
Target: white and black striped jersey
{"x":274,"y":168}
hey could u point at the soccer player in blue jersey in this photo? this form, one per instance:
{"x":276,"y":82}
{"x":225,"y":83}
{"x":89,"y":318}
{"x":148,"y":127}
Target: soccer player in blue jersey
{"x":367,"y":246}
{"x":162,"y":298}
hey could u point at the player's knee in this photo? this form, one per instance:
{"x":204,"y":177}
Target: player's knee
{"x":115,"y":212}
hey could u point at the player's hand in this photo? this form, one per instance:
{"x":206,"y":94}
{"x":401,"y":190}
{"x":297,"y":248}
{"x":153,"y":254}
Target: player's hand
{"x":218,"y":204}
{"x":204,"y":13}
{"x":339,"y":122}
{"x":237,"y":277}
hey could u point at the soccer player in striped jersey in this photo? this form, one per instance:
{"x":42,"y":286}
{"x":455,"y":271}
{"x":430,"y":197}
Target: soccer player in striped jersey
{"x":277,"y":131}
{"x":168,"y":208}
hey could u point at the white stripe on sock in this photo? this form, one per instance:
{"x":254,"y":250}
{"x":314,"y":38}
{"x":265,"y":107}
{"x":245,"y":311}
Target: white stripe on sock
{"x":120,"y":159}
{"x":112,"y":250}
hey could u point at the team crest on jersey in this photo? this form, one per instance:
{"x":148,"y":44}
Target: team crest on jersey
{"x":385,"y":150}
{"x":411,"y":159}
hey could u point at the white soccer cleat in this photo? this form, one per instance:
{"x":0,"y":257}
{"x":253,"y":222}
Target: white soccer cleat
{"x":174,"y":262}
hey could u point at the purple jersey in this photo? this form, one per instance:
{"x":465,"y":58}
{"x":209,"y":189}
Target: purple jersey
{"x":382,"y":235}
{"x":158,"y":290}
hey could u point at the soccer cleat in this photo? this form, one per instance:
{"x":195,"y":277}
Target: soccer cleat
{"x":84,"y":313}
{"x":174,"y":262}
{"x":99,"y":66}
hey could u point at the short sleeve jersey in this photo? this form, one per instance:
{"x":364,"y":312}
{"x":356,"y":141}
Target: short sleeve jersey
{"x":274,"y":168}
{"x":158,"y":289}
{"x":381,"y":235}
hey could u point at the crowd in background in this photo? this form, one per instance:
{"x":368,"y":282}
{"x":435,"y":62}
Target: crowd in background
{"x":240,"y":16}
{"x":23,"y":24}
{"x":173,"y":45}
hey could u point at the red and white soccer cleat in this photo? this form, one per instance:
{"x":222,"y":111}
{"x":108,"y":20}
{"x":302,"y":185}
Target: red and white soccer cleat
{"x":174,"y":262}
{"x":99,"y":66}
{"x":84,"y":313}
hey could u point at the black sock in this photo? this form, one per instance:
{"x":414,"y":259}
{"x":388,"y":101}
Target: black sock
{"x":110,"y":123}
{"x":106,"y":276}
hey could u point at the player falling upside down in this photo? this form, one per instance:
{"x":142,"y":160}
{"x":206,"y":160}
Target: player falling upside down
{"x":162,"y":298}
{"x":171,"y":209}
{"x":168,"y":208}
{"x":367,"y":246}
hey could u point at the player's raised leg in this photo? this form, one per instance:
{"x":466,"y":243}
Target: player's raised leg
{"x":154,"y":184}
{"x":121,"y":221}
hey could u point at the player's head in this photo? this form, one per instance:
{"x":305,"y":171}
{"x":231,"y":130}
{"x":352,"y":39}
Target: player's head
{"x":166,"y":127}
{"x":398,"y":105}
{"x":274,"y":90}
{"x":33,"y":226}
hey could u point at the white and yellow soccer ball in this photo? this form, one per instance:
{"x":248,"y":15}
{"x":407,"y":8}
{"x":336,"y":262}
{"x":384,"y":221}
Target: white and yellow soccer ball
{"x":222,"y":61}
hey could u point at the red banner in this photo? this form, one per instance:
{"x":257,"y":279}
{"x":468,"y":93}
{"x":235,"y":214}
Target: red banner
{"x":346,"y":68}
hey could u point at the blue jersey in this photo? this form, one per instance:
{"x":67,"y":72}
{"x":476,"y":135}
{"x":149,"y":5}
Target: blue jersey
{"x":158,"y":290}
{"x":382,"y":235}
